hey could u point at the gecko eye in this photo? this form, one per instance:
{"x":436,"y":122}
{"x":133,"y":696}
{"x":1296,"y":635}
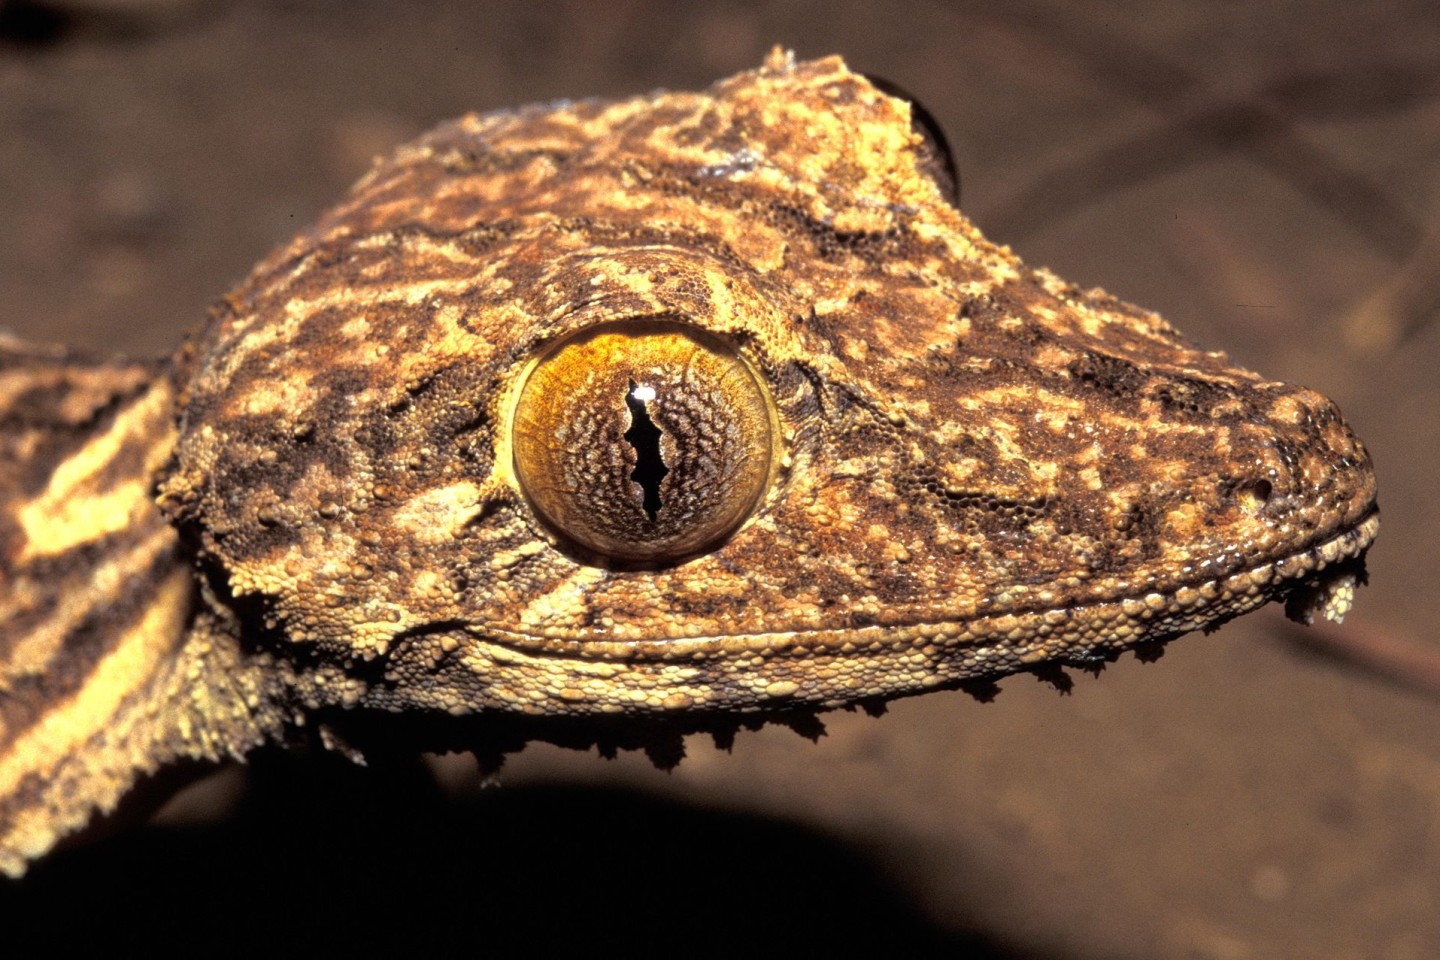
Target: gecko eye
{"x":644,"y":441}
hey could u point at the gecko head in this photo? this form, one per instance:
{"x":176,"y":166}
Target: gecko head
{"x":716,"y":401}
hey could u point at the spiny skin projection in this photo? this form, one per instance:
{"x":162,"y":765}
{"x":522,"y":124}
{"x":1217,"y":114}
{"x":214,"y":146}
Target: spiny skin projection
{"x":388,"y":489}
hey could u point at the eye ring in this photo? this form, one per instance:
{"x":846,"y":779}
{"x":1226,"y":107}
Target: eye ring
{"x":644,"y":441}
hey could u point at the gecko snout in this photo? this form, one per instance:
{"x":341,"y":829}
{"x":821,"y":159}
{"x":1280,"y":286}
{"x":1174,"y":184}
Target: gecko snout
{"x":1313,"y":471}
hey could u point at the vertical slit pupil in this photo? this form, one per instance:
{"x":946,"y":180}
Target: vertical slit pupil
{"x":644,"y":436}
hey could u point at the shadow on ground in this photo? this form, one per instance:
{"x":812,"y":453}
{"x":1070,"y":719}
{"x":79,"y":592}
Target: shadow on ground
{"x":323,"y":857}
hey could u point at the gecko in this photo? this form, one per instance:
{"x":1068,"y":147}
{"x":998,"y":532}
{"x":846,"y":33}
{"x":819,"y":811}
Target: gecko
{"x":603,"y":422}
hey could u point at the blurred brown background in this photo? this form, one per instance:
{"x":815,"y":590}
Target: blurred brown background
{"x":1265,"y":175}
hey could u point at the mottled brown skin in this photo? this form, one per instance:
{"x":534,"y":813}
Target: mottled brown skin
{"x":978,"y":467}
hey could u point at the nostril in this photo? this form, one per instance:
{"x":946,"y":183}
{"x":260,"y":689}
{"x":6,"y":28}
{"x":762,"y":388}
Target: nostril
{"x":1254,"y":495}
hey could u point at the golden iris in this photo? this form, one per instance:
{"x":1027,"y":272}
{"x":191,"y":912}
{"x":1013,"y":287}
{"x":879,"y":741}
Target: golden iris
{"x":644,"y":441}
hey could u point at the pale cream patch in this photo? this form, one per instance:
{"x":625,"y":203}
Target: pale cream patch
{"x":564,"y":603}
{"x":275,"y":395}
{"x":436,"y":515}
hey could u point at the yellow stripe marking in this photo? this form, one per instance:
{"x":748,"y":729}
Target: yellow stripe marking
{"x":67,"y":515}
{"x":137,"y":657}
{"x":33,"y":652}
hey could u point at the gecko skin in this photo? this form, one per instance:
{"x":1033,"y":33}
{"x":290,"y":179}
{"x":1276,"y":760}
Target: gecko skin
{"x":600,"y":422}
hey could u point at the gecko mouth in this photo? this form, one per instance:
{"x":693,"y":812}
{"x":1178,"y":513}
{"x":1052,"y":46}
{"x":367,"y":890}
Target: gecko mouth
{"x":1317,"y":580}
{"x":1328,"y":573}
{"x":825,"y":667}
